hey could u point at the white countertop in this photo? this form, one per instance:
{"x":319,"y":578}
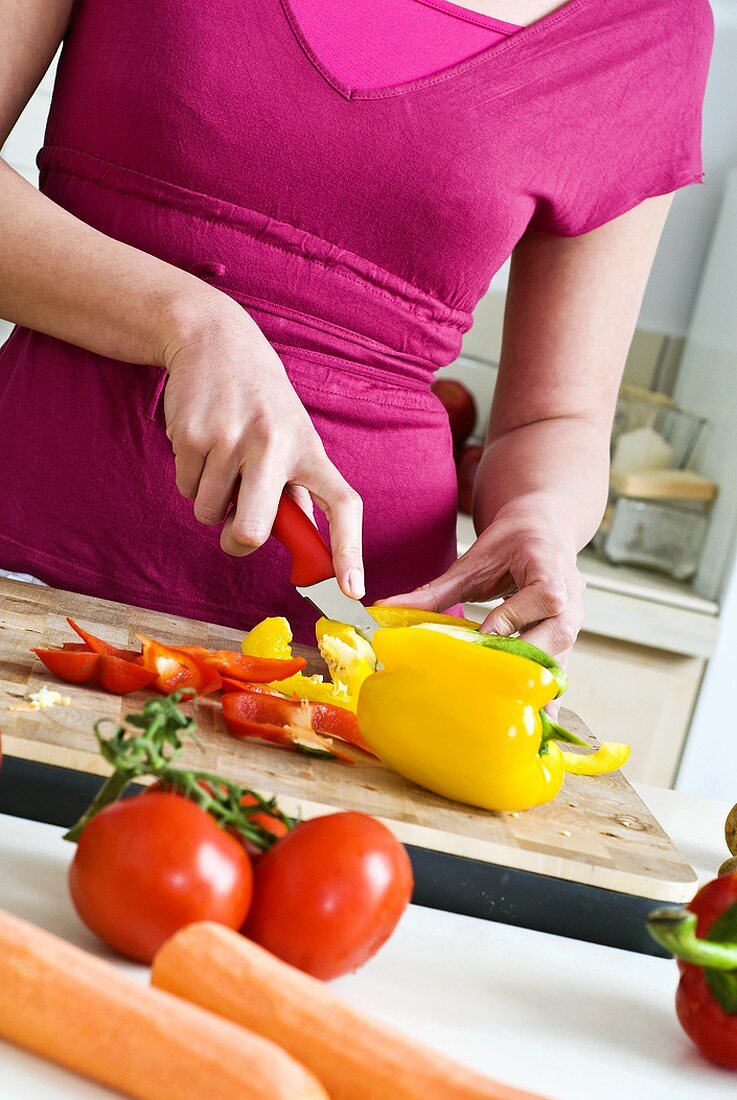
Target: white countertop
{"x":569,"y":1020}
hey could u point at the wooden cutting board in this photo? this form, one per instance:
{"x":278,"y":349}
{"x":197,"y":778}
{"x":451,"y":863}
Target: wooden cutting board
{"x":597,"y":832}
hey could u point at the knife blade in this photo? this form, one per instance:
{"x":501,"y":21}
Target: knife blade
{"x":312,"y":572}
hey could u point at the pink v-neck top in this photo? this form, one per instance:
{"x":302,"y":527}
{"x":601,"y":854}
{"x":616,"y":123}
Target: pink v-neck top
{"x":382,"y":42}
{"x":358,"y":226}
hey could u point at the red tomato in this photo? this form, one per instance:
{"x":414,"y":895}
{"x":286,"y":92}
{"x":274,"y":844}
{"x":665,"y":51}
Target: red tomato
{"x":329,"y":894}
{"x":459,"y":405}
{"x":146,"y":867}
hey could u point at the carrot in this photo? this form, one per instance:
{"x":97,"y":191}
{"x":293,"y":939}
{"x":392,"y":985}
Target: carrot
{"x":354,"y":1057}
{"x":75,"y":1009}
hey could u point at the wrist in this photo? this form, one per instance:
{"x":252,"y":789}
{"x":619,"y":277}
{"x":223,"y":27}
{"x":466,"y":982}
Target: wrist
{"x":537,"y":515}
{"x":189,"y":316}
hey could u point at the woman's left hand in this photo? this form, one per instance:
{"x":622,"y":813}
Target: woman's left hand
{"x":531,"y":565}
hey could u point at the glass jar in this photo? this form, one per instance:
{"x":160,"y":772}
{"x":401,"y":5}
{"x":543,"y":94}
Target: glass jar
{"x":657,"y":519}
{"x":653,"y":433}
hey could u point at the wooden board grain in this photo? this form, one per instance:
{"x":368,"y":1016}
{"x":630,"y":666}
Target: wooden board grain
{"x":597,"y":832}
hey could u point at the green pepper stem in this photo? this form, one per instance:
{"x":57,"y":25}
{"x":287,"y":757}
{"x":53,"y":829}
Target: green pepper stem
{"x":553,"y":732}
{"x":675,"y":930}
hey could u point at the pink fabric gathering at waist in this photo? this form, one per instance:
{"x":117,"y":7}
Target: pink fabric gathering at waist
{"x":370,"y":45}
{"x":305,"y":293}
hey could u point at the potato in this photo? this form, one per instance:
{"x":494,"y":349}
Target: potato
{"x":730,"y":830}
{"x":728,"y":867}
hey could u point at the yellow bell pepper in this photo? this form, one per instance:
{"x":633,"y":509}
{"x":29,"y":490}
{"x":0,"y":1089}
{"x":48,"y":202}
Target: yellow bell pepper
{"x":461,"y":715}
{"x":349,"y":657}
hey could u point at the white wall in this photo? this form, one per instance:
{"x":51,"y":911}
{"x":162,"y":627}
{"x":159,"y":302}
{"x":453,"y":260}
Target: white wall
{"x":674,"y":282}
{"x":708,"y":384}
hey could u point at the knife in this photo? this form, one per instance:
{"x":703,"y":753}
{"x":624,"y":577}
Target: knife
{"x":312,"y":571}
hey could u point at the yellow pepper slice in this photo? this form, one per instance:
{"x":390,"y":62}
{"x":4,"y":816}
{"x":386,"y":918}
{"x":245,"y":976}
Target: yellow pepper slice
{"x":610,"y":756}
{"x":349,"y":657}
{"x":315,"y":689}
{"x":393,"y":617}
{"x":269,"y":638}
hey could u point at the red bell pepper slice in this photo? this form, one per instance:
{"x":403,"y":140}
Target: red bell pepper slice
{"x":326,"y":719}
{"x":339,"y":722}
{"x":119,"y":676}
{"x":72,"y":668}
{"x":230,"y":685}
{"x":174,"y":669}
{"x":240,"y":666}
{"x":285,"y":722}
{"x":99,"y":645}
{"x":113,"y":674}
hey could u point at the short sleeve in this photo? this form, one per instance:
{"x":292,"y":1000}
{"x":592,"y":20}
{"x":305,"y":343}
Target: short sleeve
{"x":632,"y":130}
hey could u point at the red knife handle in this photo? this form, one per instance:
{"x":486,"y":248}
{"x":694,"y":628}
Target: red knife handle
{"x":311,"y":559}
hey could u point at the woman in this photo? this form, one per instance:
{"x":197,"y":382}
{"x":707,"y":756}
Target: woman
{"x":264,"y":224}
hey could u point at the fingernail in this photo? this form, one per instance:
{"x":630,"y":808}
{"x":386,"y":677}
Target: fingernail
{"x":356,"y":585}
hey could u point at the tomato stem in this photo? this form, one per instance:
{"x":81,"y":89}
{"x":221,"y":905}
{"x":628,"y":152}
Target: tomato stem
{"x":153,"y":754}
{"x":109,"y":792}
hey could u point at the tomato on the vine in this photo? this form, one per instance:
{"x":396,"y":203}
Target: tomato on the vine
{"x":268,"y":822}
{"x":147,"y":866}
{"x":330,"y":893}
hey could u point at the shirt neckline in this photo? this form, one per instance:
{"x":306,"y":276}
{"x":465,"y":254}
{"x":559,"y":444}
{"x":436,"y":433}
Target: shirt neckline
{"x":468,"y":15}
{"x":497,"y":51}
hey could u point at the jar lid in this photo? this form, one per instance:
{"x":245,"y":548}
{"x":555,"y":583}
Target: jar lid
{"x":663,"y":485}
{"x":649,"y":397}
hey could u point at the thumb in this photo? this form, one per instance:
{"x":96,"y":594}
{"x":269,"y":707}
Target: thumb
{"x":447,"y":590}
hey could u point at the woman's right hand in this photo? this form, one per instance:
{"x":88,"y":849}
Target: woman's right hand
{"x":231,"y":413}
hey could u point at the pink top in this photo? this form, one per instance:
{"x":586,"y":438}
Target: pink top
{"x":359,"y":227}
{"x":390,"y":41}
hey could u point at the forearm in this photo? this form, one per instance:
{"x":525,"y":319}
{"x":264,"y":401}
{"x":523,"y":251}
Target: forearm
{"x":549,"y":473}
{"x":61,"y":277}
{"x":571,"y":311}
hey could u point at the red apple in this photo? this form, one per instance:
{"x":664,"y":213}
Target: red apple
{"x":467,"y":465}
{"x":460,"y":407}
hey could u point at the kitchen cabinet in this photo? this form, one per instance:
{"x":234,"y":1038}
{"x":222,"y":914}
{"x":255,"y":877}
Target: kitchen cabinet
{"x":634,"y":693}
